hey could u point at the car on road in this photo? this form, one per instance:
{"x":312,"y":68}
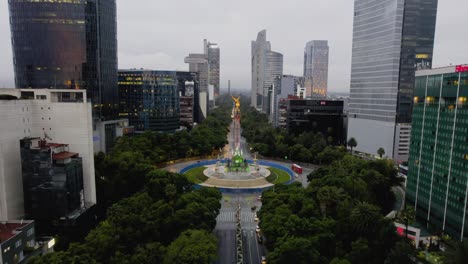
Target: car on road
{"x":259,"y":238}
{"x":257,"y":229}
{"x":264,"y":260}
{"x":259,"y":198}
{"x":256,"y":218}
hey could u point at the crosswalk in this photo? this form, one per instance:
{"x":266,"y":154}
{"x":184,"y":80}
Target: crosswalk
{"x":247,"y":217}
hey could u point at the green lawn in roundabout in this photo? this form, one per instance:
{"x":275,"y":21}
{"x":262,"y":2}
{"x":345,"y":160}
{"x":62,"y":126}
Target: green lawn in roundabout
{"x":196,"y":175}
{"x":278,"y":176}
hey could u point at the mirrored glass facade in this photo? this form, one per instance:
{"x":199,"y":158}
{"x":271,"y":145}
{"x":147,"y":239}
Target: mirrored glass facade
{"x":437,"y":183}
{"x":391,"y":39}
{"x":150,"y":99}
{"x":316,"y":67}
{"x":67,"y":45}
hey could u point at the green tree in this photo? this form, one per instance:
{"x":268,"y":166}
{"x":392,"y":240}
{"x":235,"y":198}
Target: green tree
{"x":352,"y":143}
{"x":192,"y":247}
{"x":381,"y":152}
{"x":360,"y":252}
{"x":328,"y":196}
{"x":457,"y":253}
{"x":340,"y":261}
{"x":62,"y":258}
{"x":295,"y":250}
{"x":365,"y":218}
{"x":402,"y":253}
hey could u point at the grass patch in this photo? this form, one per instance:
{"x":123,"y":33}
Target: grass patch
{"x":196,"y":175}
{"x":278,"y":176}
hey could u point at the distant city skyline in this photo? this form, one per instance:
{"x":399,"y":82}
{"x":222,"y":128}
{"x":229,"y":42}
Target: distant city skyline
{"x":165,"y":43}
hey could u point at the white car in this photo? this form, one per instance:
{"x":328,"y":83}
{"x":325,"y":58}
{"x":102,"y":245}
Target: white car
{"x":257,"y":229}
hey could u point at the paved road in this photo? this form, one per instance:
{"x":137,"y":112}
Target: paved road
{"x":225,"y":229}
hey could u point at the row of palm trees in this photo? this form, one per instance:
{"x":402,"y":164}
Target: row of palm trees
{"x":352,"y":143}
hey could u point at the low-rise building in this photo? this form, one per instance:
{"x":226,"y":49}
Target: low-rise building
{"x":15,"y":237}
{"x":62,"y":116}
{"x":318,"y":116}
{"x":106,"y":132}
{"x":52,"y":180}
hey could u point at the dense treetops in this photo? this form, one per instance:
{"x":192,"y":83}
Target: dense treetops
{"x":152,"y":216}
{"x":276,"y":142}
{"x":338,"y":218}
{"x":167,"y":222}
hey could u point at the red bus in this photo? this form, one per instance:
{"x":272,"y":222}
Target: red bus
{"x":296,"y":168}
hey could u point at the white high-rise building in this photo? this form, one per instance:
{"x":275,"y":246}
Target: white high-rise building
{"x":266,"y":66}
{"x":60,"y":116}
{"x":316,"y":68}
{"x":212,"y":53}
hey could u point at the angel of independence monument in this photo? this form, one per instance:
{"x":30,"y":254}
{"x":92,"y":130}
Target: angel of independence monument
{"x":234,"y":168}
{"x":237,"y":162}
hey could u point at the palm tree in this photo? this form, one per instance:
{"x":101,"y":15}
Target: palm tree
{"x":365,"y":217}
{"x":327,"y":197}
{"x":381,"y":152}
{"x":352,"y":143}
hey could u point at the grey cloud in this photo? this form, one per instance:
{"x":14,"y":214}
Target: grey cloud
{"x":159,"y":34}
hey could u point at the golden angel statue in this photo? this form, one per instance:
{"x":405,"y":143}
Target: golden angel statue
{"x":237,"y":102}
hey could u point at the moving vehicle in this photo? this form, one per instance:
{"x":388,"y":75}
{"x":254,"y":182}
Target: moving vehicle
{"x":296,"y":168}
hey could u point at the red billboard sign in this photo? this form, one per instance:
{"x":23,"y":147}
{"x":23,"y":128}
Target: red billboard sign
{"x":461,"y":68}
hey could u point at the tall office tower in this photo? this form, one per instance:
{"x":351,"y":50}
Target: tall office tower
{"x":150,"y":99}
{"x":316,"y":68}
{"x":266,"y":66}
{"x":437,"y":179}
{"x":59,"y":116}
{"x":391,"y":38}
{"x":284,"y":87}
{"x":199,"y":63}
{"x":273,"y":72}
{"x":212,"y":52}
{"x":67,"y":45}
{"x":188,"y":86}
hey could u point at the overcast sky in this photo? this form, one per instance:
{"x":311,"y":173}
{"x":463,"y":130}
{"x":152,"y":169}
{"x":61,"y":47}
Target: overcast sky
{"x":159,"y":34}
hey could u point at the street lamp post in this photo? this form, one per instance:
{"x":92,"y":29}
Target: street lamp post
{"x":406,"y":225}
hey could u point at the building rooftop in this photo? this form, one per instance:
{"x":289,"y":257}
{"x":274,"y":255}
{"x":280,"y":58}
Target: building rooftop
{"x":442,"y":70}
{"x":64,"y":155}
{"x":11,"y":229}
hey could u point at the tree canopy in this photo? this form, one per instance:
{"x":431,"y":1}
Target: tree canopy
{"x":150,"y":226}
{"x":277,"y":142}
{"x":338,"y":218}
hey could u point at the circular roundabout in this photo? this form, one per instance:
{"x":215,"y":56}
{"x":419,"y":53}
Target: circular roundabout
{"x":248,"y":175}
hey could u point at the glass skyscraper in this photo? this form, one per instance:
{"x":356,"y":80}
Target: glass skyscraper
{"x":266,"y":66}
{"x":213,"y":54}
{"x":67,"y":45}
{"x":437,"y":167}
{"x":150,"y":99}
{"x":316,"y":67}
{"x":391,"y":39}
